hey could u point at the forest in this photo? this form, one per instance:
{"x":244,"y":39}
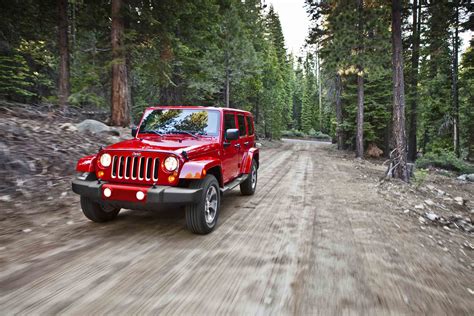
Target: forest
{"x":120,"y":56}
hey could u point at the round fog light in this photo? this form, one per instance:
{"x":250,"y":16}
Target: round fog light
{"x":140,"y":195}
{"x":107,"y":192}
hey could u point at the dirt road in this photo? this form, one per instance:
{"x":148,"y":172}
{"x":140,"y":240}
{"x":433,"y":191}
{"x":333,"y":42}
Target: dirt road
{"x":314,"y":239}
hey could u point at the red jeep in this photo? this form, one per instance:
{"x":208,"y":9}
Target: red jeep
{"x":182,"y":155}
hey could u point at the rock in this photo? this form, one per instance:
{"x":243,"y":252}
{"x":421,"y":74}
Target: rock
{"x":406,"y":211}
{"x":96,"y":127}
{"x":470,"y":291}
{"x":459,"y":200}
{"x":4,"y":153}
{"x":462,"y":177}
{"x":21,"y":166}
{"x":470,"y":177}
{"x":429,"y":186}
{"x":421,"y":219}
{"x":429,"y":202}
{"x":68,"y":127}
{"x":27,"y":230}
{"x":70,"y":222}
{"x":5,"y":198}
{"x":419,"y":206}
{"x":431,"y":216}
{"x":373,"y":151}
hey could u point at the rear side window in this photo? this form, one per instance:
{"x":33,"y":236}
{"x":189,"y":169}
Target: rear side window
{"x":229,"y":121}
{"x":249,"y":125}
{"x":241,"y":120}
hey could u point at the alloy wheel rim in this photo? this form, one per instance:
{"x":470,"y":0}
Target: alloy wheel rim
{"x":210,"y":210}
{"x":254,"y":177}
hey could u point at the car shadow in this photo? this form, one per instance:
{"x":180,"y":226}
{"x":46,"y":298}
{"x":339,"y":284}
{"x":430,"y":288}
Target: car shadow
{"x":166,"y":221}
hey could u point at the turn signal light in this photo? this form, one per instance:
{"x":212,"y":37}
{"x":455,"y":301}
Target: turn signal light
{"x":100,"y":174}
{"x":171,"y":178}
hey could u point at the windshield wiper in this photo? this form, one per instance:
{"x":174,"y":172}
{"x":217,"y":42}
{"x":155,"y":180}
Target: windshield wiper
{"x":178,"y":131}
{"x":153,"y":132}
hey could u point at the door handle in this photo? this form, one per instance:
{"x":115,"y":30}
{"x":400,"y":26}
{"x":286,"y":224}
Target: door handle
{"x":246,"y":143}
{"x":237,"y":145}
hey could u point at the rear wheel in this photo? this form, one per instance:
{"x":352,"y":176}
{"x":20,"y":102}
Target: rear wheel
{"x":249,"y":186}
{"x":97,"y":212}
{"x":201,"y":218}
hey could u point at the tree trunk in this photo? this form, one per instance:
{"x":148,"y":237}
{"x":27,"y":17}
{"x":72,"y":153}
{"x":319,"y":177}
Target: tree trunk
{"x":227,"y":89}
{"x":400,"y":154}
{"x":360,"y":86}
{"x":360,"y":116}
{"x":63,"y":82}
{"x":227,"y":80}
{"x":339,"y":118}
{"x":120,"y":106}
{"x":318,"y":81}
{"x":415,"y":57}
{"x":455,"y":84}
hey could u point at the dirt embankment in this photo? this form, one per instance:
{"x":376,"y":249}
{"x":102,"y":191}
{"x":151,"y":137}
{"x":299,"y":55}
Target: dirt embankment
{"x":322,"y":235}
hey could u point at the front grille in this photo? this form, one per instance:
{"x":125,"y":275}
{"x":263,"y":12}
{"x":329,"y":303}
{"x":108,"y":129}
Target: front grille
{"x":135,"y":168}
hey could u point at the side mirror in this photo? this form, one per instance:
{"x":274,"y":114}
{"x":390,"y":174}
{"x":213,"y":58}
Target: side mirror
{"x":232,"y":134}
{"x":134,"y":131}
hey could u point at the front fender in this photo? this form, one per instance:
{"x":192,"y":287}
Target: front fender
{"x":86,"y":164}
{"x":249,"y":156}
{"x":197,"y":169}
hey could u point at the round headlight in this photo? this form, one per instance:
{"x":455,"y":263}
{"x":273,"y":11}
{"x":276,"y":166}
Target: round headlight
{"x":171,"y":163}
{"x":105,"y":160}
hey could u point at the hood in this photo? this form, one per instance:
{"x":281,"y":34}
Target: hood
{"x":164,"y":144}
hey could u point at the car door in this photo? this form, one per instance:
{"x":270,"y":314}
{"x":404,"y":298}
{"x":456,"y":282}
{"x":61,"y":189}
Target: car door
{"x":230,"y":157}
{"x":250,"y":139}
{"x":242,"y":137}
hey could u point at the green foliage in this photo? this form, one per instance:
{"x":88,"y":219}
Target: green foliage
{"x":293,"y":133}
{"x":420,"y":177}
{"x":445,"y":160}
{"x":15,"y":76}
{"x":311,"y":134}
{"x":189,"y":52}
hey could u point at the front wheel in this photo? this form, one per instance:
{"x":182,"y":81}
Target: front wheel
{"x":249,"y":186}
{"x":97,"y":212}
{"x":201,"y":218}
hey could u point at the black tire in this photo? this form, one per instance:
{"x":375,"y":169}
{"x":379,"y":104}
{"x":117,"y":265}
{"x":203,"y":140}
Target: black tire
{"x":248,"y":187}
{"x":96,"y":212}
{"x":198,"y":216}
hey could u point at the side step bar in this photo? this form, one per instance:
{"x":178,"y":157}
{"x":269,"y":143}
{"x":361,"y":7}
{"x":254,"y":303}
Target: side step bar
{"x":229,"y":186}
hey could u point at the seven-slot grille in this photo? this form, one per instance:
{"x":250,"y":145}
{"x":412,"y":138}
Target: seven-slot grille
{"x":135,"y":168}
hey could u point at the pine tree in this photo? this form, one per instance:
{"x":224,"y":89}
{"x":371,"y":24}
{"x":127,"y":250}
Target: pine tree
{"x":400,"y":155}
{"x":63,"y":43}
{"x":120,"y":110}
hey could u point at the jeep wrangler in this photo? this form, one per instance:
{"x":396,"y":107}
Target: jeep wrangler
{"x":179,"y":155}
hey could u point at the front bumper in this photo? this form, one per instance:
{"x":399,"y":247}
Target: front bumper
{"x":124,"y":195}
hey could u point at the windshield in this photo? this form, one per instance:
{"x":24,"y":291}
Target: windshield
{"x":203,"y":122}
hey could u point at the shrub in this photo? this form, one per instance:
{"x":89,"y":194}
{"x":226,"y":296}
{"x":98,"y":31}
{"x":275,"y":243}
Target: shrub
{"x":444,"y":160}
{"x":312,"y":133}
{"x":299,"y":133}
{"x":419,"y":177}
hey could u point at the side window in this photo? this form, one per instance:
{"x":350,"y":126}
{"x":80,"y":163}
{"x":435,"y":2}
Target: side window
{"x":249,"y":125}
{"x":229,"y":121}
{"x":241,"y":120}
